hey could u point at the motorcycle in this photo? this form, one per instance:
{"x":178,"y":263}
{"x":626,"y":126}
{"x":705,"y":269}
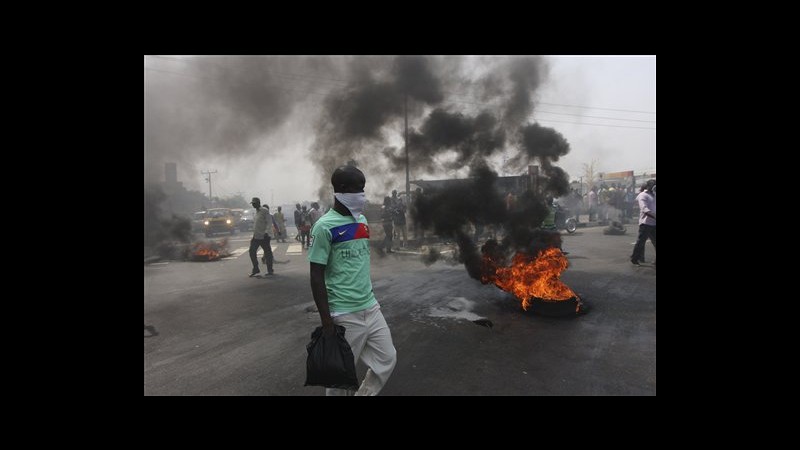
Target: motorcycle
{"x":564,"y":220}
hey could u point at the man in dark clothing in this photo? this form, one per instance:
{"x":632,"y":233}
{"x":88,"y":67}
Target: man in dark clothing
{"x":399,"y":217}
{"x":297,"y":221}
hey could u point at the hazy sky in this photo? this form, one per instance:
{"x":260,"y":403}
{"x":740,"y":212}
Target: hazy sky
{"x":270,"y":126}
{"x":613,"y":82}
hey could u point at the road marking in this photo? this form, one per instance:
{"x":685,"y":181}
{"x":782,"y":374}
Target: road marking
{"x":236,"y":253}
{"x":242,"y":250}
{"x":294,"y":249}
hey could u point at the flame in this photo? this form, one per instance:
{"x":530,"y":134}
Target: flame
{"x":204,"y":251}
{"x":209,"y":251}
{"x":529,"y":277}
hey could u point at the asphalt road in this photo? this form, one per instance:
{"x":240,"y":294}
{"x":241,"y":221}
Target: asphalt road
{"x":214,"y":331}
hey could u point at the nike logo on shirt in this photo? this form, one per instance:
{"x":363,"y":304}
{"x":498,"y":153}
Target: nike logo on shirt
{"x":349,"y":232}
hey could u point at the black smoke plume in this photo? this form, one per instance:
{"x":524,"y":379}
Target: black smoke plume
{"x":359,"y":120}
{"x":447,"y":132}
{"x":160,"y":228}
{"x":526,"y":74}
{"x":354,"y":123}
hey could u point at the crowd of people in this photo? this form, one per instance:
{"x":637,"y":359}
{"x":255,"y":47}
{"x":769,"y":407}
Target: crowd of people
{"x":606,"y":204}
{"x":603,"y":203}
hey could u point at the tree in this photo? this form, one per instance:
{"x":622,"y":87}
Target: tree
{"x":589,"y":172}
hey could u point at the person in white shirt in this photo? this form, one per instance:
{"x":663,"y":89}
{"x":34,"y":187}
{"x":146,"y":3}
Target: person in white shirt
{"x":647,"y":221}
{"x":263,"y":231}
{"x":592,"y":200}
{"x":314,"y":214}
{"x":280,"y":220}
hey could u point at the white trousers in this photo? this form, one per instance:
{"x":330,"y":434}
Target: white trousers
{"x":371,"y":341}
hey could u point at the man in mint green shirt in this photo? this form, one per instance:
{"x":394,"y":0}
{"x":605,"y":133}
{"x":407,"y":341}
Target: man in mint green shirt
{"x":341,"y":284}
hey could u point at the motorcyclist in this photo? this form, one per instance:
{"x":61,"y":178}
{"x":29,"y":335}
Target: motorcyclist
{"x":549,"y":222}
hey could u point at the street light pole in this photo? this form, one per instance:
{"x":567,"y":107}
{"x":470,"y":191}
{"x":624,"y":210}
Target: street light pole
{"x":408,"y":185}
{"x":209,"y":184}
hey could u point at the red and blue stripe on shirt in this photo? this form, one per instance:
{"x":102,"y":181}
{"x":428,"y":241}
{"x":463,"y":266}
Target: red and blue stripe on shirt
{"x":348,"y":232}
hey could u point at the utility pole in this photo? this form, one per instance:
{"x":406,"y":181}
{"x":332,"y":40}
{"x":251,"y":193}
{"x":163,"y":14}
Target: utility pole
{"x":209,"y":184}
{"x":408,"y":185}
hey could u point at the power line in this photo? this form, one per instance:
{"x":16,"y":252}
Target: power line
{"x":560,"y":114}
{"x":593,"y":117}
{"x":597,"y":107}
{"x":595,"y":124}
{"x":323,"y":95}
{"x":474,"y":111}
{"x":344,"y":83}
{"x":457,"y":95}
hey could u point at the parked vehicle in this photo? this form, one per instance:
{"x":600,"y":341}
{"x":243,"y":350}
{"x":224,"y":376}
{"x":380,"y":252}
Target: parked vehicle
{"x":565,"y":220}
{"x":237,"y":214}
{"x":197,"y":221}
{"x":219,"y":220}
{"x":246,"y":221}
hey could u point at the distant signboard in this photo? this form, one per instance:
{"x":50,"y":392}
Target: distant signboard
{"x":627,"y":173}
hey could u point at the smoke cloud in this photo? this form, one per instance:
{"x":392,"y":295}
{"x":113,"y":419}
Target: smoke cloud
{"x":158,"y":226}
{"x":224,"y":106}
{"x":446,"y":133}
{"x":214,"y":106}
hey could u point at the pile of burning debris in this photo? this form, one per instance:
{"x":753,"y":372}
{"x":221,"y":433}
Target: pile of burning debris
{"x":533,"y":278}
{"x":194,"y":251}
{"x":209,"y":250}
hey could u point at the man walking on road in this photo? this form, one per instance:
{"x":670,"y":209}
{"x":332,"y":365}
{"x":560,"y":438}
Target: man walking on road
{"x":262,"y":233}
{"x":647,"y":222}
{"x":341,"y":283}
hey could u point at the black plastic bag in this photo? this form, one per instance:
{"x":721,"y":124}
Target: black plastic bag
{"x":330,"y":361}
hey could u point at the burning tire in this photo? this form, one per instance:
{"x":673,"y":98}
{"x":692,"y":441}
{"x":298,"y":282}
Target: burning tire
{"x":557,"y":308}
